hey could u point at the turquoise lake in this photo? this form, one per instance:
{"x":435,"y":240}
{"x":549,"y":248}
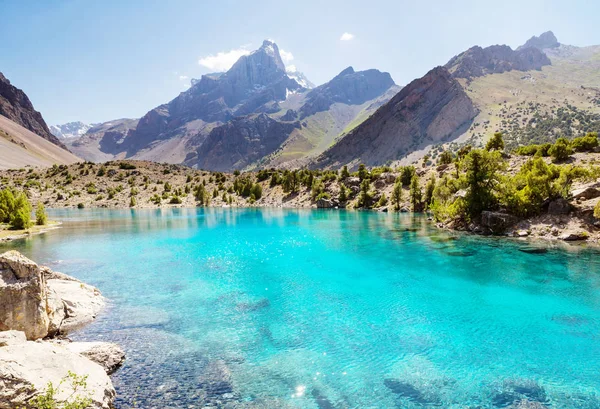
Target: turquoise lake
{"x":330,"y":309}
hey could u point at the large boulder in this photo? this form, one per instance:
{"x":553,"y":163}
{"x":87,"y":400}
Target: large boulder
{"x":587,"y":192}
{"x":559,"y":206}
{"x":325,"y":203}
{"x":81,"y":303}
{"x":23,"y":295}
{"x":497,"y":222}
{"x":41,"y":302}
{"x":27,"y":368}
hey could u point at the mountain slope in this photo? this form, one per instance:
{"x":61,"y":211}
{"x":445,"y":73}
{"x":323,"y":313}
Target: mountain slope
{"x":16,"y":106}
{"x":560,"y":99}
{"x":20,"y":147}
{"x":430,"y":109}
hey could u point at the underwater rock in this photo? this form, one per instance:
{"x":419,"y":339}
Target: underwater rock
{"x":406,"y":390}
{"x":533,"y":250}
{"x":106,"y":354}
{"x":253,"y":306}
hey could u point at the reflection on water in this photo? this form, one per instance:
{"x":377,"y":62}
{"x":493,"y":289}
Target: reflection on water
{"x":260,"y":308}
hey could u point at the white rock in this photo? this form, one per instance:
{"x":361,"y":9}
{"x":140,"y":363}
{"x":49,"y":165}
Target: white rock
{"x":106,"y":354}
{"x":27,"y":368}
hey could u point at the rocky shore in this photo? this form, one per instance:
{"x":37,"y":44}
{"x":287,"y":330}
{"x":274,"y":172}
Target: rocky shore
{"x":38,"y":309}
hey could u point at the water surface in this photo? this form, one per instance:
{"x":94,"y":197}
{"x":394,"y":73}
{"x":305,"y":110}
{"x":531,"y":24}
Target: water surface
{"x":330,"y":309}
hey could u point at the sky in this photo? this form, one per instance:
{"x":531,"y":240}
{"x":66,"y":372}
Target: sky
{"x":95,"y":61}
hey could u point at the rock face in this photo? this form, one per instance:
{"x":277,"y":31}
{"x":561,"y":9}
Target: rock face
{"x":431,"y":109}
{"x":255,"y":83}
{"x":26,"y":369}
{"x":40,"y":302}
{"x":16,"y":106}
{"x":23,"y":296}
{"x":497,"y":222}
{"x":349,"y":87}
{"x":477,"y":61}
{"x":545,"y":40}
{"x":241,"y":142}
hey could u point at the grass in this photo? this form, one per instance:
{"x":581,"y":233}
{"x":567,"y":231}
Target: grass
{"x":6,"y":232}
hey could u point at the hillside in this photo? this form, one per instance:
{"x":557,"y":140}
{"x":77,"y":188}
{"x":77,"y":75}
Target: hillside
{"x":19,"y":147}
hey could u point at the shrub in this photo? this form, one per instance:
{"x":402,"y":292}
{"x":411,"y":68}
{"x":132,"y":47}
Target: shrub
{"x":41,"y":218}
{"x":127,"y":166}
{"x":15,"y":209}
{"x":446,"y":158}
{"x":78,"y":398}
{"x":80,"y":205}
{"x":561,"y":150}
{"x":496,"y":143}
{"x":597,"y":211}
{"x":585,"y":143}
{"x":175,"y":200}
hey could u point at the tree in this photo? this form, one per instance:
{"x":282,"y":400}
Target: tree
{"x":397,"y":194}
{"x":343,"y":197}
{"x":132,"y":201}
{"x":344,"y":172}
{"x":41,"y":218}
{"x":382,"y":200}
{"x":496,"y":143}
{"x":364,"y":198}
{"x":407,"y":174}
{"x":481,"y":176}
{"x":416,"y":195}
{"x":597,"y":211}
{"x":446,"y":158}
{"x":429,"y":188}
{"x":561,"y":150}
{"x":363,"y":173}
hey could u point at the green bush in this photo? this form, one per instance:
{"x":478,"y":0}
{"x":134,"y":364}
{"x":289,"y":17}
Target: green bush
{"x":406,"y":175}
{"x":496,"y":143}
{"x":561,"y":150}
{"x":15,"y":209}
{"x":41,"y":218}
{"x":78,"y":398}
{"x":585,"y":143}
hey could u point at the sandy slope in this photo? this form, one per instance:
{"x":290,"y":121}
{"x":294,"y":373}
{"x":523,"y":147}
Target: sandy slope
{"x":20,"y":147}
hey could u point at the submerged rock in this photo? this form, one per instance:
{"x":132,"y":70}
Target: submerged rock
{"x":325,"y":204}
{"x":534,"y":250}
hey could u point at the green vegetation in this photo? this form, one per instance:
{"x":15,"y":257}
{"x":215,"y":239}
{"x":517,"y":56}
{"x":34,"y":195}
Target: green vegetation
{"x":41,"y":218}
{"x":416,"y":195}
{"x":15,"y":209}
{"x":78,"y":399}
{"x":496,"y":143}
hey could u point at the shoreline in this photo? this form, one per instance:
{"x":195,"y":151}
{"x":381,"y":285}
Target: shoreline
{"x":510,"y":234}
{"x":10,"y":235}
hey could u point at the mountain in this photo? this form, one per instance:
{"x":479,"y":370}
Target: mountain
{"x":70,"y":130}
{"x":535,"y":94}
{"x":496,"y":59}
{"x":431,"y":109}
{"x":245,"y":105}
{"x":101,"y":139}
{"x":544,"y":41}
{"x":16,"y":106}
{"x":19,"y":147}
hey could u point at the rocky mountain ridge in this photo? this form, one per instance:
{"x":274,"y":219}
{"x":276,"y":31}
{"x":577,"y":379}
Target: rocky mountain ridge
{"x":16,"y":106}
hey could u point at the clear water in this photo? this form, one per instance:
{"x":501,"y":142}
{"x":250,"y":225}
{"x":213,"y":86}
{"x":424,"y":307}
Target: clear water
{"x":330,"y":309}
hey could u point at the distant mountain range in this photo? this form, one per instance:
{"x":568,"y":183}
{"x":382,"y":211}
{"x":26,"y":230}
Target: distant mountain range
{"x":70,"y":130}
{"x":256,"y":114}
{"x":261,"y":114}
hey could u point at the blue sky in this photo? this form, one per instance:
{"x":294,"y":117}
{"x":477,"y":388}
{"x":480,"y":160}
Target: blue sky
{"x":99,"y":60}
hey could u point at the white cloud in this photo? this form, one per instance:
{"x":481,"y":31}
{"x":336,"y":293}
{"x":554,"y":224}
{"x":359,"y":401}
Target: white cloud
{"x":223,"y":60}
{"x":183,"y":77}
{"x":347,"y":37}
{"x":286,"y":56}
